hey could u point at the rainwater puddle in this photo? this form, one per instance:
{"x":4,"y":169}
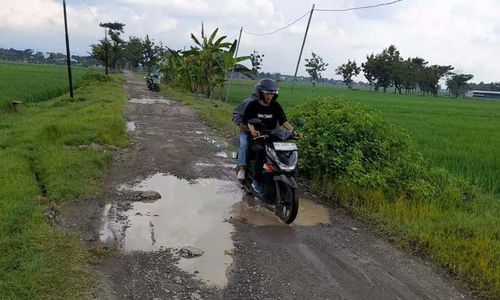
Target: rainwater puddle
{"x":193,"y":213}
{"x":148,"y":101}
{"x":200,"y":164}
{"x":226,"y":154}
{"x":223,"y":164}
{"x":221,"y":154}
{"x":251,"y":212}
{"x":188,"y":214}
{"x":131,"y":126}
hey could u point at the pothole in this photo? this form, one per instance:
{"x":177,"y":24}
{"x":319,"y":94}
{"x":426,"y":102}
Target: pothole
{"x":148,"y":101}
{"x":251,"y":212}
{"x":193,"y":214}
{"x":188,"y":214}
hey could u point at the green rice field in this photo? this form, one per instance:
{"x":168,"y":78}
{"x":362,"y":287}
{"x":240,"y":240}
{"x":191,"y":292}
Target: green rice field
{"x":461,"y":135}
{"x":34,"y":83}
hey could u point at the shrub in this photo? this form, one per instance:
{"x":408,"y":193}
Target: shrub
{"x":351,"y":146}
{"x":93,"y":76}
{"x":372,"y":168}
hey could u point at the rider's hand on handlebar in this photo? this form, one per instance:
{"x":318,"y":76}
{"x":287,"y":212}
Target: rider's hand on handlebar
{"x":254,"y":133}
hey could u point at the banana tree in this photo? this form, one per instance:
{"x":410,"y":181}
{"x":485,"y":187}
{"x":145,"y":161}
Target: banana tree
{"x":228,"y":62}
{"x":216,"y":59}
{"x":205,"y":66}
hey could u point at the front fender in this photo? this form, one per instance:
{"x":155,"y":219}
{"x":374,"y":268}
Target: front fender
{"x":289,"y":180}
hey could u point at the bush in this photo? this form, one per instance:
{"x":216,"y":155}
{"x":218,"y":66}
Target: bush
{"x":372,"y":168}
{"x":93,"y":76}
{"x":351,"y":146}
{"x":359,"y":149}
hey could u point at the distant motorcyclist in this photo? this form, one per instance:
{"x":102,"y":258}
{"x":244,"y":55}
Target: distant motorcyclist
{"x":270,"y":112}
{"x":153,"y":81}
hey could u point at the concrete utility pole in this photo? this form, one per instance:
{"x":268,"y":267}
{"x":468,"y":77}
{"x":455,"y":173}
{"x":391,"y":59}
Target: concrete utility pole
{"x":302,"y":48}
{"x":235,"y":56}
{"x":106,"y":48}
{"x":68,"y":55}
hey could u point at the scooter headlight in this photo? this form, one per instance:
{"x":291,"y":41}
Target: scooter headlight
{"x":287,"y":161}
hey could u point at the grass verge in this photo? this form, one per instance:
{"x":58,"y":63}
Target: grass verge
{"x":43,"y":166}
{"x":215,"y":113}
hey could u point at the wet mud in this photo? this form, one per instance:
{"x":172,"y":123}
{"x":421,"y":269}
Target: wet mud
{"x":250,"y":211}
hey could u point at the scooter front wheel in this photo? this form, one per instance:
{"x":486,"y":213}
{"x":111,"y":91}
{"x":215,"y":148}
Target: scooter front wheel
{"x":287,"y":203}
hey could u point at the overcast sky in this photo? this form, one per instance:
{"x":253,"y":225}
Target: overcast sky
{"x":462,"y":33}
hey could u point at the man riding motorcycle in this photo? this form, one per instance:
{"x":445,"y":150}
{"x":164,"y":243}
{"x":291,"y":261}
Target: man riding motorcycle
{"x":270,"y":113}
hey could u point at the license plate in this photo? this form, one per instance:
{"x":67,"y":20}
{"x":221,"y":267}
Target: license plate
{"x":285,"y":146}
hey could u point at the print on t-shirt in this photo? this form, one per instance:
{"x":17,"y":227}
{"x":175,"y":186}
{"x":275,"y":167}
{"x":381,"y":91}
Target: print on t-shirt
{"x":265,"y":116}
{"x":270,"y":115}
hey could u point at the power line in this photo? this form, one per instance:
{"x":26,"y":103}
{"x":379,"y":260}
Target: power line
{"x":360,"y":7}
{"x":282,"y":28}
{"x":234,"y":36}
{"x":90,"y":11}
{"x":322,"y":9}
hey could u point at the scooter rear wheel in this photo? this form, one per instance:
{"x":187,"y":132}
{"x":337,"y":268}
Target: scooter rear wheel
{"x":287,"y":204}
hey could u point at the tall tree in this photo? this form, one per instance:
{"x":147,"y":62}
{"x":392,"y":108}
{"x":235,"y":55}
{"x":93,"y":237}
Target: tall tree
{"x":397,"y":67}
{"x":151,"y":54}
{"x":101,"y":52}
{"x":369,"y":70}
{"x":314,"y":66}
{"x":431,"y":77}
{"x":113,"y":49}
{"x":134,"y":52}
{"x":457,"y":84}
{"x":347,"y":71}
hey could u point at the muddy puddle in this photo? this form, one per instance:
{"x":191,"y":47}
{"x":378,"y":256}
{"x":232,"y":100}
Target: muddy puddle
{"x":193,"y":213}
{"x":188,"y":214}
{"x":148,"y":101}
{"x":251,"y":212}
{"x":222,"y":146}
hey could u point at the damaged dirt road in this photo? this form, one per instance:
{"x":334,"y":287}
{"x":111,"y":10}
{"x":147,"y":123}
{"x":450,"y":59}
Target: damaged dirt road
{"x":183,"y":229}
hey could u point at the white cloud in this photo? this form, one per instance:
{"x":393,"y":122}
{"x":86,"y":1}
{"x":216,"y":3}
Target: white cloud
{"x":167,"y":25}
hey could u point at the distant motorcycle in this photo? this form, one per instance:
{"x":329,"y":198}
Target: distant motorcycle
{"x":153,"y":83}
{"x":280,"y":187}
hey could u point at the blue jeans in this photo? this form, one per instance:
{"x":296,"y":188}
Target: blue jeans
{"x":243,"y":151}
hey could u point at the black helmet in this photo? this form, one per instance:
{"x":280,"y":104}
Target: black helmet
{"x":267,"y":85}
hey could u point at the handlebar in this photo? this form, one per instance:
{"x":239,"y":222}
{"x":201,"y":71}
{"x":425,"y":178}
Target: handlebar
{"x":265,"y":136}
{"x":294,"y":136}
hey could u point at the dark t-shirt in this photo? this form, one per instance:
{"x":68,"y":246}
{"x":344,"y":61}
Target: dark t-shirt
{"x":269,"y":115}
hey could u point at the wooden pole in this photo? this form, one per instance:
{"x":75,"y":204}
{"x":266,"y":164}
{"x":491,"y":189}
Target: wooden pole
{"x":232,"y":70}
{"x":302,"y":48}
{"x":68,"y":55}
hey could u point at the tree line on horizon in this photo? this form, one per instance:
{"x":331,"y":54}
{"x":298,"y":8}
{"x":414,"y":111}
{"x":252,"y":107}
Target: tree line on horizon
{"x":207,"y":65}
{"x":389,"y":69}
{"x":39,"y":57}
